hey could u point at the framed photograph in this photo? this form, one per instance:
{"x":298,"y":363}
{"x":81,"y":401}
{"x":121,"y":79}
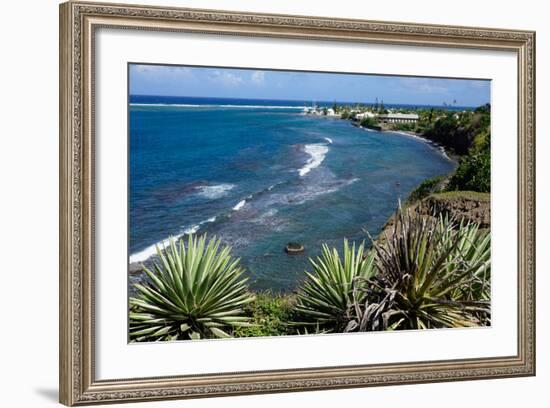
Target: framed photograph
{"x":256,"y":203}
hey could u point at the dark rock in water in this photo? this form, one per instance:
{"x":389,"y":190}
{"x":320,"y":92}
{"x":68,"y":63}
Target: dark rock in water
{"x":294,"y":248}
{"x":135,"y":268}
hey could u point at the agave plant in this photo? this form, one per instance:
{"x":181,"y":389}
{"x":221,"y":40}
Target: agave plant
{"x":324,"y":299}
{"x":432,"y":273}
{"x":195,"y":291}
{"x":474,"y":249}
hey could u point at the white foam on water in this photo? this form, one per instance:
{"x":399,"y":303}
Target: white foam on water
{"x":329,"y":140}
{"x":215,"y":191}
{"x":317,"y":153}
{"x":239,"y":205}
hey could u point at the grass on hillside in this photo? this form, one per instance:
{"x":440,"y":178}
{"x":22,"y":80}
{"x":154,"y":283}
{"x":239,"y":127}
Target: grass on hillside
{"x":470,"y":195}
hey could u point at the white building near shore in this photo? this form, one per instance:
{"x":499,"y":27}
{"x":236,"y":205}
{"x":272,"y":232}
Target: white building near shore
{"x":364,"y":115}
{"x":398,"y":118}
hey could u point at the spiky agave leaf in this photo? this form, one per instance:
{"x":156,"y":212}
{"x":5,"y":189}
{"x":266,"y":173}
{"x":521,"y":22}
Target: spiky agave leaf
{"x":194,"y":291}
{"x":323,"y":300}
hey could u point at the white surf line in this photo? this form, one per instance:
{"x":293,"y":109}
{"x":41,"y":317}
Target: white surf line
{"x":188,"y":105}
{"x":151,"y":250}
{"x":317,"y":153}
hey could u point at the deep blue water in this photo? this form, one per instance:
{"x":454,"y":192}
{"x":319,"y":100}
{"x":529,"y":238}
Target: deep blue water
{"x":259,"y":174}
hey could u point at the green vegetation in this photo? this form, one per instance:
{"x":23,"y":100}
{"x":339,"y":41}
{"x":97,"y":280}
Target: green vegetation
{"x":431,"y":273}
{"x":323,"y":299}
{"x":345,"y":114}
{"x":368,"y":122}
{"x":407,"y":127}
{"x":466,"y":134}
{"x":427,"y":187}
{"x":270,"y":315}
{"x":453,"y":195}
{"x":197,"y":291}
{"x":474,"y":169}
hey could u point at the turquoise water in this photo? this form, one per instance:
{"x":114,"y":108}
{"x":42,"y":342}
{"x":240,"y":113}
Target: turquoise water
{"x":261,"y":175}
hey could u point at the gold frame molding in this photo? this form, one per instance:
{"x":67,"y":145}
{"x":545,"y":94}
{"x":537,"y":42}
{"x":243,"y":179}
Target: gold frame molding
{"x":78,"y":22}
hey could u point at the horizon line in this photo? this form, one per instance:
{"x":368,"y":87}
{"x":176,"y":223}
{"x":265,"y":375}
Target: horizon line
{"x":305,"y":100}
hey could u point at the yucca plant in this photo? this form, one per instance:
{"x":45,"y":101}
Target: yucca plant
{"x":195,"y":291}
{"x":432,"y":272}
{"x":324,"y":299}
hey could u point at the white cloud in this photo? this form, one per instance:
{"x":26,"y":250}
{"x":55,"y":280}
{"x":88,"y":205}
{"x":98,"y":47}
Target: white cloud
{"x":163,"y":70}
{"x":257,"y":77}
{"x":225,"y":78}
{"x":424,"y":85}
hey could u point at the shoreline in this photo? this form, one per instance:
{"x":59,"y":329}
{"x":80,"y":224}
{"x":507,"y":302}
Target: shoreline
{"x":446,"y":153}
{"x":452,"y":157}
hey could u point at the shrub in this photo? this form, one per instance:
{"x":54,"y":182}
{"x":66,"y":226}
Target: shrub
{"x":473,"y":173}
{"x":270,"y":314}
{"x":368,"y":121}
{"x":324,"y":298}
{"x":197,"y":291}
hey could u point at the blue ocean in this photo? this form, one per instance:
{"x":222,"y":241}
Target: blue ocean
{"x":259,"y":174}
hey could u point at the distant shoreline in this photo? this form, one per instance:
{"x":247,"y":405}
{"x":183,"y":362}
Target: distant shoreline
{"x":445,"y":152}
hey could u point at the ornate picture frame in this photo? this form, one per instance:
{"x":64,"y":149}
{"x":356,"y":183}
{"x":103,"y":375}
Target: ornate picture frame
{"x":78,"y":24}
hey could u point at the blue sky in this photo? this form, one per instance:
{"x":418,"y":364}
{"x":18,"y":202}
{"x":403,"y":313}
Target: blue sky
{"x":309,"y":86}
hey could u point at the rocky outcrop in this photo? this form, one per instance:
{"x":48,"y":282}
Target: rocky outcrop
{"x":464,"y":206}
